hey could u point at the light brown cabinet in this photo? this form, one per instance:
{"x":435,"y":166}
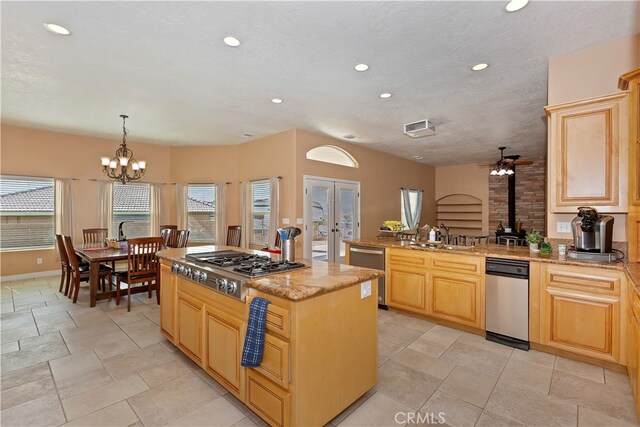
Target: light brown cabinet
{"x":443,"y":286}
{"x":168,"y":295}
{"x":189,"y":330}
{"x":456,"y":297}
{"x":633,"y":344}
{"x":224,"y":338}
{"x":580,"y":310}
{"x":631,"y":81}
{"x":585,"y":142}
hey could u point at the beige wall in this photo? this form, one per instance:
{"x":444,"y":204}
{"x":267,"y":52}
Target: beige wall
{"x":31,"y":152}
{"x":381,"y":176}
{"x":593,"y":71}
{"x":585,"y":74}
{"x":468,"y":179}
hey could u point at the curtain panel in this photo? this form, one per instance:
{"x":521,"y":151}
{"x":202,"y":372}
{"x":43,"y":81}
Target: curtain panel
{"x":155,"y":209}
{"x":182,"y":216}
{"x":221,"y":214}
{"x":105,"y":212}
{"x":274,"y":209}
{"x":64,"y":206}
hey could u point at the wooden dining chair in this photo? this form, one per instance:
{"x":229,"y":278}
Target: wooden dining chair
{"x":182,"y":239}
{"x":80,"y":272}
{"x":95,"y":235}
{"x":172,"y":227}
{"x":142,"y":267}
{"x":278,"y":240}
{"x":233,"y":235}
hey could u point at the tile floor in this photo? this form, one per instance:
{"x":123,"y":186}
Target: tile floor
{"x":68,"y":364}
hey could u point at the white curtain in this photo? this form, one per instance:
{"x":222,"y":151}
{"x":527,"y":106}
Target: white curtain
{"x":245,"y":212}
{"x":221,"y":214}
{"x":105,"y":191}
{"x":155,"y":209}
{"x":64,"y":206}
{"x":412,"y":201}
{"x":182,"y":217}
{"x":274,"y":209}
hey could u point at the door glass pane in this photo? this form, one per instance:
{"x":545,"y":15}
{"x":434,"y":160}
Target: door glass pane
{"x":320,"y":225}
{"x":345,"y":219}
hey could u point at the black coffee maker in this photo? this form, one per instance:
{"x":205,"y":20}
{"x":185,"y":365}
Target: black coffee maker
{"x":592,"y":232}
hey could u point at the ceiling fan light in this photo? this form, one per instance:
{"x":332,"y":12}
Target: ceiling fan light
{"x":502,"y":172}
{"x":510,"y":172}
{"x":493,"y":172}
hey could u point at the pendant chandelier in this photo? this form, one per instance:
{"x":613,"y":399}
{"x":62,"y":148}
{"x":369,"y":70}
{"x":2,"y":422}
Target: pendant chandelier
{"x":123,"y":166}
{"x":503,"y":166}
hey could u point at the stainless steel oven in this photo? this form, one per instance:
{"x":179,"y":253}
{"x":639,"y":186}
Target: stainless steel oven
{"x":370,"y":257}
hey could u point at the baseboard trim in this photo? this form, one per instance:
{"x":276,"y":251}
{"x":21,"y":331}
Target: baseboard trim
{"x":26,"y":276}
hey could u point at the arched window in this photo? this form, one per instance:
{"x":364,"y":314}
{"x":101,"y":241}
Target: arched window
{"x":332,"y":154}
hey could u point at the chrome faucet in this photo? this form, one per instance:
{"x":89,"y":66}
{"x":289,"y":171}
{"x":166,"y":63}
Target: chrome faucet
{"x":447,"y":238}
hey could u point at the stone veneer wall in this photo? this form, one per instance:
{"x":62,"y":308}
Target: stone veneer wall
{"x":530,"y":197}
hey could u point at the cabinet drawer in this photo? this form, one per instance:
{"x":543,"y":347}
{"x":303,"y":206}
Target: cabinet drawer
{"x":267,"y":400}
{"x":458,"y":263}
{"x":583,"y":279}
{"x":275,"y":361}
{"x":408,"y":257}
{"x":277,"y":319}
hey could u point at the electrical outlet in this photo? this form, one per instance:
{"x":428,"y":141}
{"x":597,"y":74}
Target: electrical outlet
{"x":299,"y":221}
{"x":285,"y":221}
{"x":38,"y":260}
{"x":365,"y":289}
{"x":563,"y":227}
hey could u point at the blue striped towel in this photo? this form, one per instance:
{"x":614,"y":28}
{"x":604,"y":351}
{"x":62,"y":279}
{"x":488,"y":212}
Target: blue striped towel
{"x":254,"y":339}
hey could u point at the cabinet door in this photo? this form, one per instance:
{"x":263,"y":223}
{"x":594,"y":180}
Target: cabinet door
{"x":189,"y":330}
{"x":456,"y":297}
{"x":585,"y":139}
{"x":224,"y":336}
{"x":587,"y":324}
{"x":168,"y":297}
{"x":632,"y":350}
{"x":406,"y":288}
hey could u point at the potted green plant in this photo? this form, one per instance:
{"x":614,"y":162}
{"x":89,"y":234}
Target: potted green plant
{"x":534,"y":238}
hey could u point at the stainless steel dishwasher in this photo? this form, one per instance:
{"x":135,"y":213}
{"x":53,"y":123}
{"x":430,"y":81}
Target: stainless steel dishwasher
{"x":507,"y":302}
{"x":370,"y":257}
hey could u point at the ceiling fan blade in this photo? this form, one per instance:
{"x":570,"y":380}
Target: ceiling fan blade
{"x":486,"y":165}
{"x":524,"y":162}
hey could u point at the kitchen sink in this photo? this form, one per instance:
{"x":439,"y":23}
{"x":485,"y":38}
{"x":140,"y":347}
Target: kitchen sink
{"x":442,"y":246}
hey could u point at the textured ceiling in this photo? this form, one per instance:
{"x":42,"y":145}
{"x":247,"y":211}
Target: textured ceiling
{"x":165,"y":65}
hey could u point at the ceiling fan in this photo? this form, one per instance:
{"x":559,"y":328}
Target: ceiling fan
{"x":506,"y":164}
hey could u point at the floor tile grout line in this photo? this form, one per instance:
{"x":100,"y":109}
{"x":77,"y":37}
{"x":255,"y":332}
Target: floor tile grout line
{"x":55,"y":385}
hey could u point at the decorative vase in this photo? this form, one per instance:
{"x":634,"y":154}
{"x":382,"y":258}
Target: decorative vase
{"x":533,"y":247}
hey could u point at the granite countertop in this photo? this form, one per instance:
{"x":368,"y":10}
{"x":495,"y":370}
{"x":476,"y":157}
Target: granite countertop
{"x":512,"y":252}
{"x":296,"y":285}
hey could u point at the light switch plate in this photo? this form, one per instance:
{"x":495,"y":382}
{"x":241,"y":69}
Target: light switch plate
{"x":285,"y":221}
{"x":563,"y":227}
{"x":365,"y":289}
{"x":299,"y":221}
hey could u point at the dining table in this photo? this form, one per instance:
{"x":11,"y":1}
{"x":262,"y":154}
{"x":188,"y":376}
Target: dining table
{"x":96,"y":255}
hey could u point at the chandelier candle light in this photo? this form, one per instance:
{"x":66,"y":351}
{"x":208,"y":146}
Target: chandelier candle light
{"x":130,"y":168}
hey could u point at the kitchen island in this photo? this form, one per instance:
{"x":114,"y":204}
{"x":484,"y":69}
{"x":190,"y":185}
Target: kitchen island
{"x":320,"y":352}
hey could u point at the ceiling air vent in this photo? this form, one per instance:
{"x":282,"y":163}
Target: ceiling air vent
{"x":420,"y":129}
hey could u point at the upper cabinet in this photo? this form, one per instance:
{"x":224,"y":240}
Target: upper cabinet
{"x":631,"y":81}
{"x":585,"y":142}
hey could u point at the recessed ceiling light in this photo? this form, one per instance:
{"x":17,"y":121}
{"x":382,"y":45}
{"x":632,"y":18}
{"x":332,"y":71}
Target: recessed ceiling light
{"x":515,"y":5}
{"x":247,"y":135}
{"x":479,"y":67}
{"x":277,"y":101}
{"x":57,"y":29}
{"x":361,"y":67}
{"x":385,"y":95}
{"x":417,"y":157}
{"x":351,"y":136}
{"x":231,"y":41}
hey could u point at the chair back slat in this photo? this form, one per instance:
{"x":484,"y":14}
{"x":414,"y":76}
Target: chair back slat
{"x":95,"y":235}
{"x":168,"y":236}
{"x":62,"y":250}
{"x":278,"y":242}
{"x":234,"y":232}
{"x":71,"y":254}
{"x":142,"y":256}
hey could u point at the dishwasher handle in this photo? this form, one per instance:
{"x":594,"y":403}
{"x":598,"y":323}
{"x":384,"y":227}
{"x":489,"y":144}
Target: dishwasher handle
{"x":367,"y":251}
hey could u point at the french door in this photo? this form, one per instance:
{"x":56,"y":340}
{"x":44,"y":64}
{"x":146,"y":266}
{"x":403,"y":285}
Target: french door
{"x":331,"y":216}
